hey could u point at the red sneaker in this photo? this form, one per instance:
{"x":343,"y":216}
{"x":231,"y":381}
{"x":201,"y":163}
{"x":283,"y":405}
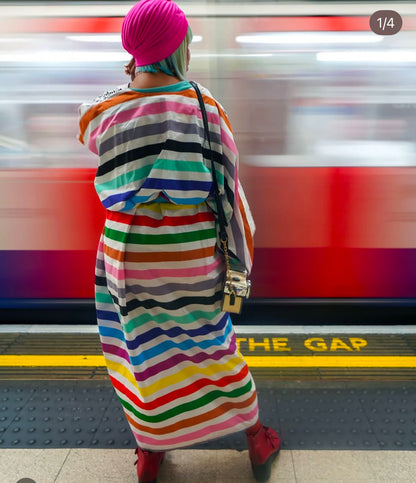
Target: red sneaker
{"x":148,"y":464}
{"x":263,"y":447}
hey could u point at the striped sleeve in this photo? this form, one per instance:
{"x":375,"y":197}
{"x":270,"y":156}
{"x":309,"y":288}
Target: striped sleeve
{"x":90,"y":115}
{"x":241,"y":227}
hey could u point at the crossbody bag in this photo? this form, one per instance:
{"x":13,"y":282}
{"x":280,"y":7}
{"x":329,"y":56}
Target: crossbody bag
{"x":236,"y":284}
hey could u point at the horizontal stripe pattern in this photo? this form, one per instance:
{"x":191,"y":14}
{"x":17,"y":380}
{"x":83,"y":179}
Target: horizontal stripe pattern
{"x":170,"y":351}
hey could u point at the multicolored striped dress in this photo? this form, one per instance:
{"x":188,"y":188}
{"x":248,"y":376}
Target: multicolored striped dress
{"x":171,"y":352}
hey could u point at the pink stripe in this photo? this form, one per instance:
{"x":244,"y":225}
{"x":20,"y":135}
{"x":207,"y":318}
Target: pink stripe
{"x":150,"y":274}
{"x":200,"y":434}
{"x":146,"y":110}
{"x":228,"y":141}
{"x":92,"y":145}
{"x":113,"y":271}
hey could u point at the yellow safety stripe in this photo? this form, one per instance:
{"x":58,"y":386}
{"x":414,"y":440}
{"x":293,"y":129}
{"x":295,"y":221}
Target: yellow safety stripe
{"x":252,"y":361}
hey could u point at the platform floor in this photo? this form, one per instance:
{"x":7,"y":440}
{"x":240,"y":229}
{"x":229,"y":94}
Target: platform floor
{"x":206,"y":466}
{"x":342,"y":399}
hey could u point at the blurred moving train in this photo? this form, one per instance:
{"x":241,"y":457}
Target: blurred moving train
{"x":323,"y":111}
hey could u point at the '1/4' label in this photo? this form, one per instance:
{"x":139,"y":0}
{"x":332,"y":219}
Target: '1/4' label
{"x":386,"y":22}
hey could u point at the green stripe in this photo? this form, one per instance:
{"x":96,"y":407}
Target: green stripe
{"x":220,"y":178}
{"x":176,"y":165}
{"x":189,"y":406}
{"x":165,"y":165}
{"x":104,"y":298}
{"x":125,"y":178}
{"x":164,"y":239}
{"x":179,"y":86}
{"x":167,"y":317}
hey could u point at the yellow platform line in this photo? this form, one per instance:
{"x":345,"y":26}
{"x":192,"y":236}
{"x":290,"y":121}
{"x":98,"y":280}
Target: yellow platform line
{"x":51,"y":361}
{"x":332,"y":361}
{"x":252,"y":361}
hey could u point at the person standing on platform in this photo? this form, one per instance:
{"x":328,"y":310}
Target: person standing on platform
{"x":170,"y":350}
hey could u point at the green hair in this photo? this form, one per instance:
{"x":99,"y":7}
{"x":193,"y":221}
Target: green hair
{"x":175,"y":64}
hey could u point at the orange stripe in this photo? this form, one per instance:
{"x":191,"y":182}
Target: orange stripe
{"x":224,"y":117}
{"x":119,"y":99}
{"x":195,"y":420}
{"x":142,"y":257}
{"x":113,"y":253}
{"x":170,"y":256}
{"x":207,"y":100}
{"x":247,"y":231}
{"x":99,"y":108}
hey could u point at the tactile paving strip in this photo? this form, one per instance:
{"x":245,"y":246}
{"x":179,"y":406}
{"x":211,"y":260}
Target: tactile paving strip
{"x":87,"y":414}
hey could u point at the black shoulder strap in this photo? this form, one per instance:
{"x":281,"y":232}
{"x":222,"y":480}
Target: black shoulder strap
{"x":220,"y":209}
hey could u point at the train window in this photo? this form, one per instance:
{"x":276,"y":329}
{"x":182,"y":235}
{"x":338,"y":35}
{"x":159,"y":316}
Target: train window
{"x":322,"y":98}
{"x":334,"y":95}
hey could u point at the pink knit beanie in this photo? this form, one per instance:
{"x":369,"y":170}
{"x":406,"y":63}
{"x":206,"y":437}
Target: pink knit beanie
{"x":152,"y":30}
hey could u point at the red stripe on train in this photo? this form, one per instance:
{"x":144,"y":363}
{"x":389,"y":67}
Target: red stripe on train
{"x":250,"y":24}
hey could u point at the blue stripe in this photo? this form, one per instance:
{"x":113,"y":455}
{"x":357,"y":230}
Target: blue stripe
{"x":177,"y":184}
{"x":112,"y":200}
{"x":177,"y":331}
{"x":187,"y":201}
{"x":185,"y":345}
{"x":107,"y":315}
{"x":110,"y":332}
{"x":141,"y":199}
